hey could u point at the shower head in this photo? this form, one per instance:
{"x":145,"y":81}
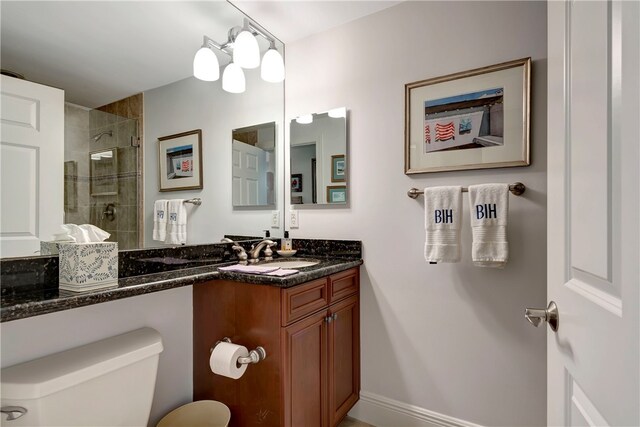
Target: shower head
{"x":97,"y":137}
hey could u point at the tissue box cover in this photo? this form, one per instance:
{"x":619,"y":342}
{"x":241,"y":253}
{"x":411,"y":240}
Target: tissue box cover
{"x":88,"y":266}
{"x":49,"y":248}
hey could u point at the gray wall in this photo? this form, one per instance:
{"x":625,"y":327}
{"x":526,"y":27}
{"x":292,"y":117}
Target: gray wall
{"x":451,"y":338}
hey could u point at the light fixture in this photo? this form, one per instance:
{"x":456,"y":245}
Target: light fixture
{"x":338,"y":113}
{"x":305,"y":119}
{"x":233,"y":79}
{"x":272,"y":69}
{"x":246,"y":52}
{"x":242,"y":46}
{"x":205,"y":65}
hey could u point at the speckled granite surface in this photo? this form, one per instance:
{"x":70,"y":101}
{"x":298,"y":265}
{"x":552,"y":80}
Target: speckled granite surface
{"x":34,"y":290}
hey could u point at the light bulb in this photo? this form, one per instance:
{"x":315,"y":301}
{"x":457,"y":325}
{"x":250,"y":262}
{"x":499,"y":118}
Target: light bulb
{"x":272,"y":67}
{"x":305,"y":120}
{"x":205,"y":65}
{"x":246,"y":52}
{"x":233,"y":79}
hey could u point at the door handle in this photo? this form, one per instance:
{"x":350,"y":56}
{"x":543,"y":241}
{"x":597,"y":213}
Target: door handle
{"x":536,"y":316}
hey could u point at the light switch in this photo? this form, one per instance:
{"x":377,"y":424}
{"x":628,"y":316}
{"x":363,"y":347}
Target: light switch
{"x":275,"y":219}
{"x":293,"y":219}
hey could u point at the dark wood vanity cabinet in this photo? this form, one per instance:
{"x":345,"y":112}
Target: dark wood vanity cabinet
{"x":311,"y":332}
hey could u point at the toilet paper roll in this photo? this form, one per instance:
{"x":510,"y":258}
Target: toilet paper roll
{"x":224,"y":360}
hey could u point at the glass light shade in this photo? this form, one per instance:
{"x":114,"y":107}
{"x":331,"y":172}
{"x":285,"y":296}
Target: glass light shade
{"x":272,"y":67}
{"x":233,"y":79}
{"x":305,"y":120}
{"x":246,"y":52}
{"x":205,"y":65}
{"x":338,"y":113}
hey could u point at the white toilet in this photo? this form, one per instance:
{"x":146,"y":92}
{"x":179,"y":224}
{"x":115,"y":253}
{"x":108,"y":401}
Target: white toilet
{"x":105,"y":383}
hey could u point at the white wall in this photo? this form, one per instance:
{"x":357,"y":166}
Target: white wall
{"x":449,"y":338}
{"x":169,"y":312}
{"x":194,"y":104}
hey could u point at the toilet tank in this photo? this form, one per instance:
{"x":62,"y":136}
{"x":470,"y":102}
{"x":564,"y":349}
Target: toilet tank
{"x":104,"y":383}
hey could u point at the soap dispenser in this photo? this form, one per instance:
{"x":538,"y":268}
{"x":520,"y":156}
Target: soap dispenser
{"x":286,"y":242}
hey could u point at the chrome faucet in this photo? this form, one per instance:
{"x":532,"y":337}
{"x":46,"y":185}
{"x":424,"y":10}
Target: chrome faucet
{"x":254,"y":253}
{"x":239,"y":250}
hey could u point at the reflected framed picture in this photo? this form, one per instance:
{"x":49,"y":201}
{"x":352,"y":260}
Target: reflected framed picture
{"x":338,"y":167}
{"x":180,"y":161}
{"x":336,"y":194}
{"x":475,"y":119}
{"x":296,"y":182}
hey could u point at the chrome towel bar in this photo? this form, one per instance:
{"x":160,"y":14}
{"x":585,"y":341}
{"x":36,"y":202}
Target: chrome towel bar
{"x":195,"y":201}
{"x":516,"y":189}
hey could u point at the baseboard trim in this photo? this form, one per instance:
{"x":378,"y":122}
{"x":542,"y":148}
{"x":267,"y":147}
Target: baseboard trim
{"x":381,"y":411}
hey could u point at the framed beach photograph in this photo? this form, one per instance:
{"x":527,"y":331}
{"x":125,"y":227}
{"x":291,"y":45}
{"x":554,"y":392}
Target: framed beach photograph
{"x":336,"y":194}
{"x":338,"y":166}
{"x":475,"y":119}
{"x":180,"y":161}
{"x":296,"y":182}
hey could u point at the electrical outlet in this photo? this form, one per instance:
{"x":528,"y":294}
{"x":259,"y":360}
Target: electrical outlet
{"x":275,"y":219}
{"x":293,"y":219}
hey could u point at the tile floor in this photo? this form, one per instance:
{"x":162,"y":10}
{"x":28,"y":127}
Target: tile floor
{"x":352,"y":422}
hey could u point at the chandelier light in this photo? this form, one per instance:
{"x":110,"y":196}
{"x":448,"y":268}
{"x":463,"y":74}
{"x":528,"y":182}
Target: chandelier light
{"x":243,"y":48}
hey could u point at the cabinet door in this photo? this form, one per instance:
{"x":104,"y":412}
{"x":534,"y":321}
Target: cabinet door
{"x":305,"y":361}
{"x":344,"y":358}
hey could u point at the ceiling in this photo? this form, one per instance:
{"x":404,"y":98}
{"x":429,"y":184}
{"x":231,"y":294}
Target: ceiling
{"x":102,"y":51}
{"x":294,"y":20}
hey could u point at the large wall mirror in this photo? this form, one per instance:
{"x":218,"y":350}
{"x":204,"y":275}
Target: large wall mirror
{"x":127,"y":72}
{"x":318,"y":154}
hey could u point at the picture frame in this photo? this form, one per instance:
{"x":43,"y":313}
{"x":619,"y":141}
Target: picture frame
{"x":338,"y":168}
{"x":337,"y":194}
{"x":296,"y":182}
{"x":180,"y":161}
{"x":476,"y":119}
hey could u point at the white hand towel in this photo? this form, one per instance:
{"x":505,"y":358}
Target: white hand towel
{"x":176,"y":222}
{"x":442,"y":209}
{"x":489,"y":206}
{"x":160,"y":220}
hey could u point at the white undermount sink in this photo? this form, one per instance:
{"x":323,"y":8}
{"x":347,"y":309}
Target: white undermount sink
{"x":290,"y":263}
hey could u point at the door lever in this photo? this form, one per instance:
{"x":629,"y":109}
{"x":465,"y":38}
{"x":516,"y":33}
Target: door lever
{"x":536,"y":316}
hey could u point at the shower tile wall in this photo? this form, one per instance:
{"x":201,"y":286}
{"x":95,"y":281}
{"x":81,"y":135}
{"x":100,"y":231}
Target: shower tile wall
{"x":77,"y":202}
{"x":124,"y":119}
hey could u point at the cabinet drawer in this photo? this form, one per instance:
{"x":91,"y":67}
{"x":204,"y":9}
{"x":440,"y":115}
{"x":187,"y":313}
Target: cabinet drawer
{"x":300,"y":301}
{"x":343,"y":284}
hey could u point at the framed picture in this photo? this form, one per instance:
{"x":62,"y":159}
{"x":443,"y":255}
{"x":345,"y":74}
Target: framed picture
{"x":338,"y":166}
{"x":180,"y":161}
{"x":475,"y":119}
{"x":296,"y":182}
{"x":336,"y":194}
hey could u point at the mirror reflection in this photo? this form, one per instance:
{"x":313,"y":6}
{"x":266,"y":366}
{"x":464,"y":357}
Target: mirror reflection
{"x":254,"y":165}
{"x":107,"y":99}
{"x":318,"y":154}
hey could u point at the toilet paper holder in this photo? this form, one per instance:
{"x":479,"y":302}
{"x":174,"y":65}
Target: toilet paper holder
{"x":254,"y":356}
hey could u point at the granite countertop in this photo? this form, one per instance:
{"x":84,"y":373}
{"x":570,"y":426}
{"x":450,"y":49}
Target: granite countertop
{"x":42,"y":301}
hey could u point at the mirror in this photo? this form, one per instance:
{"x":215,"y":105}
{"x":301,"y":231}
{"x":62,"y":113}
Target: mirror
{"x":126,"y":84}
{"x":253,"y":165}
{"x":318,"y":155}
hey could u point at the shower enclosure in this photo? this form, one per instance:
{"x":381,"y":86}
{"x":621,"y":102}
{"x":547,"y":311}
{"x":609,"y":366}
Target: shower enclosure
{"x":102,"y":171}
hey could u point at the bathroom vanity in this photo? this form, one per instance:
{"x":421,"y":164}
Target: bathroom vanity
{"x":311,"y":334}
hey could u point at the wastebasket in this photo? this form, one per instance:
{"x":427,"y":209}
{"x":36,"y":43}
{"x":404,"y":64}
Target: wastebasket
{"x":203,"y":413}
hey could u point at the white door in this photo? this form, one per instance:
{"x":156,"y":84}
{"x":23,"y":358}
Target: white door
{"x":31,"y":165}
{"x":593,"y":235}
{"x":246,"y":174}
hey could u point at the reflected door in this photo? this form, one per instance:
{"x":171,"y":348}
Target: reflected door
{"x":246,"y":174}
{"x":31,"y":155}
{"x":594,"y":236}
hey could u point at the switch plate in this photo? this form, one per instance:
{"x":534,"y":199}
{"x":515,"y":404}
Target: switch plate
{"x":293,"y":219}
{"x":275,"y":219}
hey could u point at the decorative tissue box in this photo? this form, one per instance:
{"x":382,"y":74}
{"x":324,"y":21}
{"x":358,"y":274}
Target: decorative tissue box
{"x":88,"y":266}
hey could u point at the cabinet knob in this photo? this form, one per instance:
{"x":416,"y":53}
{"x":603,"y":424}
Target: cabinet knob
{"x":335,"y":316}
{"x":328,"y":319}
